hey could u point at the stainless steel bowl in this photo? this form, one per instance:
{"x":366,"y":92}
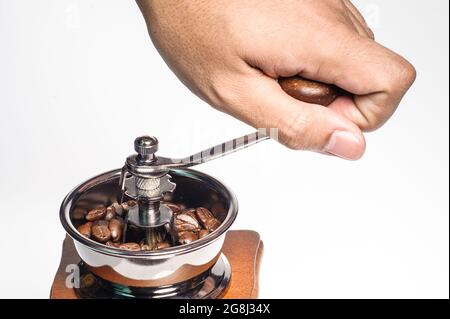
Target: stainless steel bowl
{"x":151,"y":268}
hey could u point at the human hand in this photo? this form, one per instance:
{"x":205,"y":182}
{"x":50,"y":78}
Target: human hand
{"x":231,"y":53}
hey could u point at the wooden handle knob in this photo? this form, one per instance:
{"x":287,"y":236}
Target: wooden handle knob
{"x":309,"y":91}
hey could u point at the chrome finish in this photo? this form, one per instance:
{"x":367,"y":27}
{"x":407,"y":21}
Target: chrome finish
{"x":146,"y":146}
{"x":148,"y":189}
{"x":160,"y":165}
{"x":155,"y":215}
{"x":217,"y":151}
{"x":193,"y":188}
{"x":135,"y":187}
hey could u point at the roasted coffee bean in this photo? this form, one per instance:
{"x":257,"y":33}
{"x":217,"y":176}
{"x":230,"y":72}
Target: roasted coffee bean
{"x":130,"y":246}
{"x":188,"y":216}
{"x":85,"y":229}
{"x":203,"y":233}
{"x":212,"y":224}
{"x":180,"y":226}
{"x":163,"y":245}
{"x":96,"y":214}
{"x":174,"y":207}
{"x":309,"y":91}
{"x":100,"y":223}
{"x":187,"y":237}
{"x":203,"y":214}
{"x":117,"y":208}
{"x":100,"y":231}
{"x":110,"y":213}
{"x":129,"y":204}
{"x":105,"y":225}
{"x":111,"y":244}
{"x":186,"y":221}
{"x":207,"y":219}
{"x":190,"y":212}
{"x":115,"y":227}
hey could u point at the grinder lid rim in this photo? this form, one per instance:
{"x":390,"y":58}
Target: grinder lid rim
{"x":73,"y":195}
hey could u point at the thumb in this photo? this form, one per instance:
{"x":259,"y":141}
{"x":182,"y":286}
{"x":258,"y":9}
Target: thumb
{"x":300,"y":125}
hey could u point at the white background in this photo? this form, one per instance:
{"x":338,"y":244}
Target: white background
{"x":80,"y":79}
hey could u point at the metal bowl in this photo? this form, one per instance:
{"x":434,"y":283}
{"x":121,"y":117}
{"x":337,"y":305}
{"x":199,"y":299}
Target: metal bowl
{"x":151,"y":268}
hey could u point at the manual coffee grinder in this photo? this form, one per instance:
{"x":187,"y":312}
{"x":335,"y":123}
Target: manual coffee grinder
{"x":220,"y":264}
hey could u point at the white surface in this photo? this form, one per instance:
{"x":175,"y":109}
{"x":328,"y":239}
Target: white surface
{"x":379,"y":227}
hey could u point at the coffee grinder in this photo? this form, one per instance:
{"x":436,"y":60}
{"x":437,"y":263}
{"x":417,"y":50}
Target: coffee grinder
{"x":223,"y":264}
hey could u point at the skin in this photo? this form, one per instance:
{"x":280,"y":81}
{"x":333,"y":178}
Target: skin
{"x":231,"y":52}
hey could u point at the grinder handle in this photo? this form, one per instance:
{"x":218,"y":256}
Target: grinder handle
{"x":296,"y":86}
{"x":309,"y":91}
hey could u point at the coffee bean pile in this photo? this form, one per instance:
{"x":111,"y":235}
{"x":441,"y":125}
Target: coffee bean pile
{"x":106,"y":225}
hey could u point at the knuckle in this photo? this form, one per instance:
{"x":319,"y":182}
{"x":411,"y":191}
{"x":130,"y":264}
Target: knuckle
{"x":403,"y":75}
{"x":408,"y":75}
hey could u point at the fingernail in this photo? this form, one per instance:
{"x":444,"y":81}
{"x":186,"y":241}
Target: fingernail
{"x":346,"y":145}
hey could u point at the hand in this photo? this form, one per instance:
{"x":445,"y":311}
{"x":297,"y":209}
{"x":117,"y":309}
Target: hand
{"x":231,"y":52}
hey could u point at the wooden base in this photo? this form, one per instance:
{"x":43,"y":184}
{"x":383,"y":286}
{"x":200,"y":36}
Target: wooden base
{"x":243,"y":248}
